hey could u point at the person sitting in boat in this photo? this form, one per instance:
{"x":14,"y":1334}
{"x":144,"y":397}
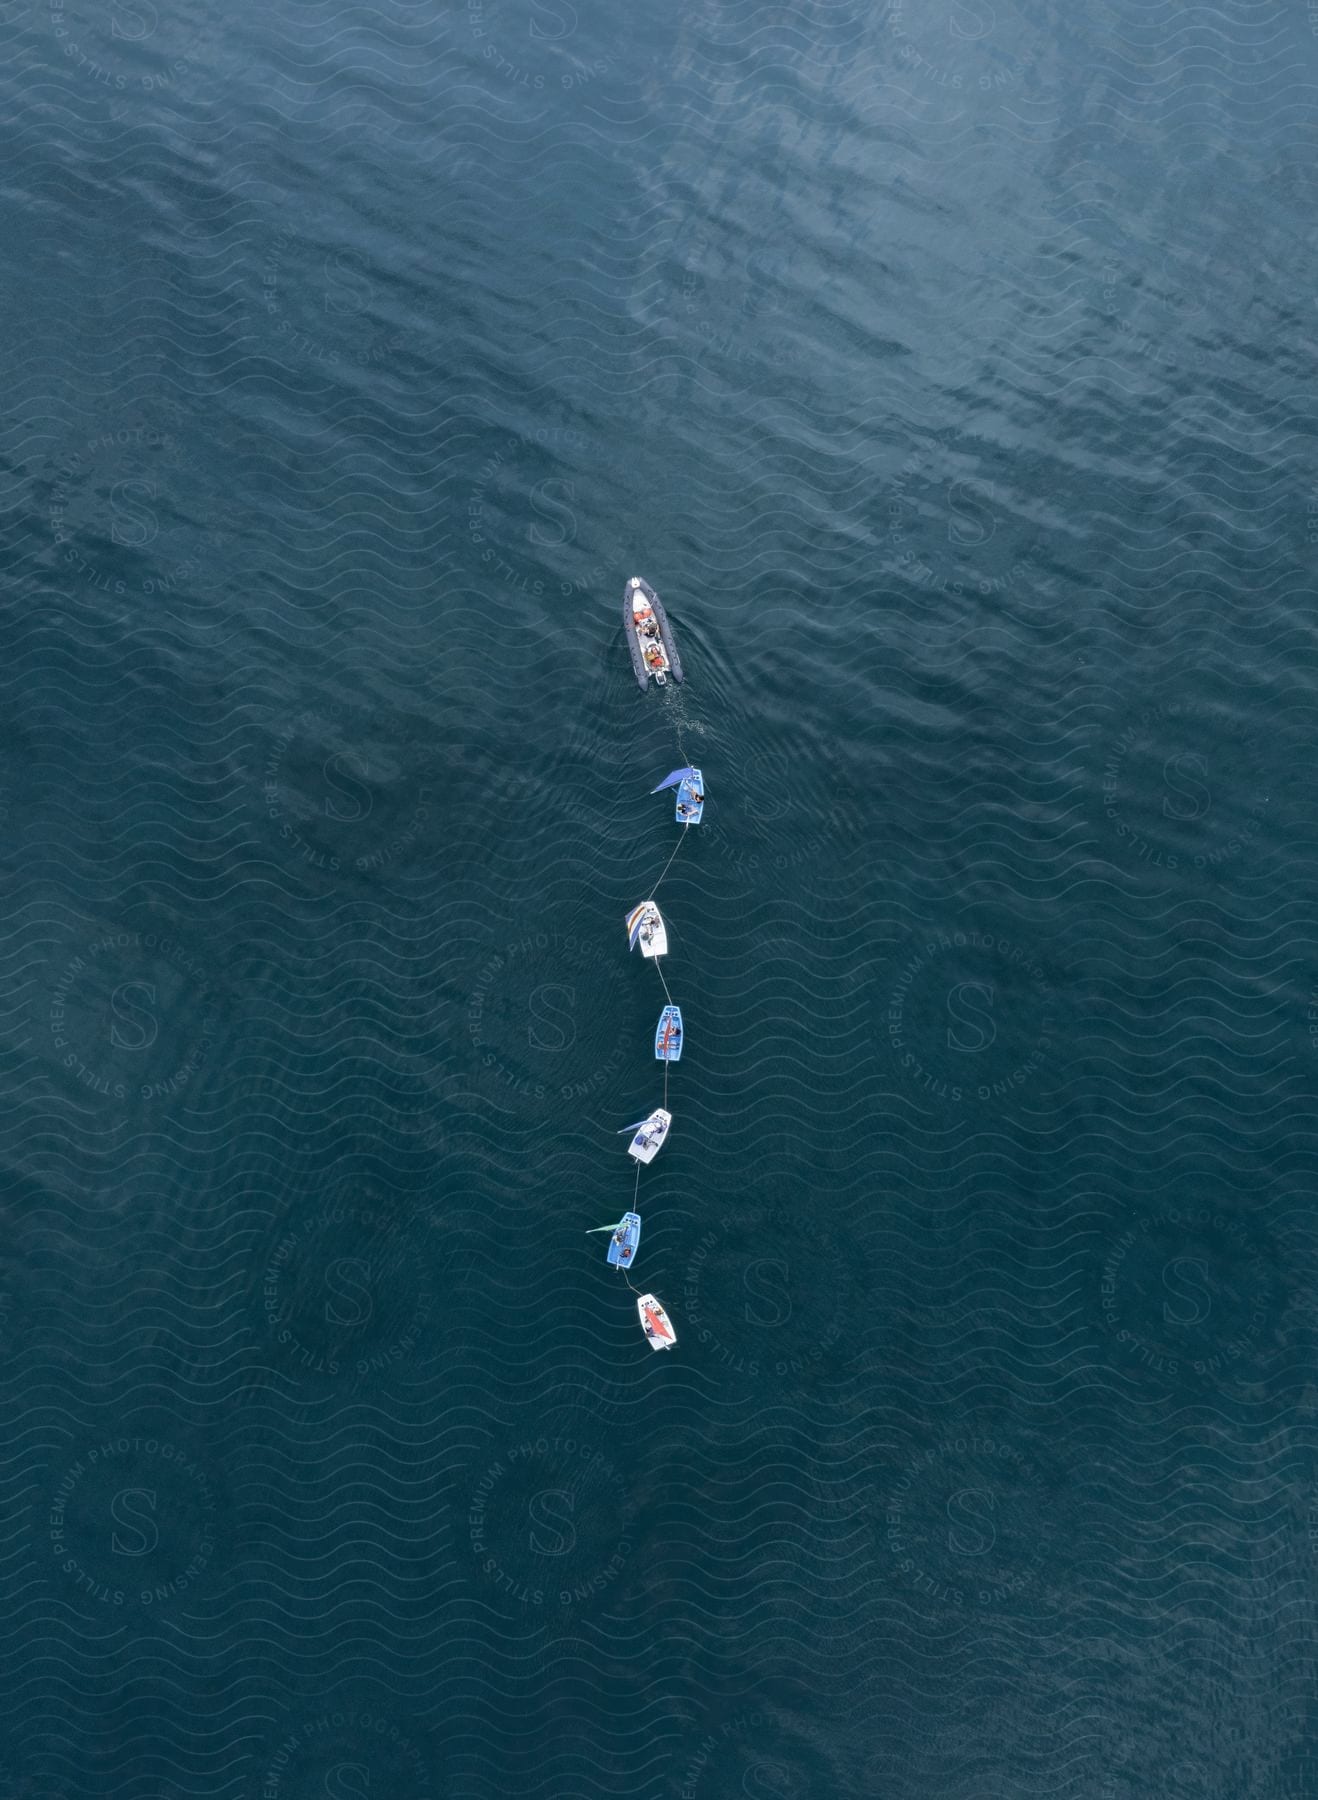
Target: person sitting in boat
{"x":683,"y":810}
{"x":626,"y":1251}
{"x":652,"y":630}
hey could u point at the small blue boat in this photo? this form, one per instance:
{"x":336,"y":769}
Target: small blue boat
{"x":690,"y":785}
{"x":622,"y":1245}
{"x":668,"y":1035}
{"x":691,"y":799}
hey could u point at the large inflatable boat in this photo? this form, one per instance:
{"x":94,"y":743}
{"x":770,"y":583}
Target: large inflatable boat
{"x":649,"y":635}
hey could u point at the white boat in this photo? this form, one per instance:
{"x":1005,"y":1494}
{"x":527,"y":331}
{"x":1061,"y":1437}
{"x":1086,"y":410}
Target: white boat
{"x":650,"y":1135}
{"x":645,"y":926}
{"x":655,"y":1323}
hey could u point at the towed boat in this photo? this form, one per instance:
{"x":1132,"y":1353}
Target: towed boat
{"x":691,"y":798}
{"x":645,"y":926}
{"x":649,"y":635}
{"x":690,"y":785}
{"x":622,"y":1245}
{"x":655,"y":1323}
{"x":668,"y":1035}
{"x":650,"y":1134}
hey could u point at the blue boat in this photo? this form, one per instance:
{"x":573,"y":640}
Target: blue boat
{"x":668,"y":1035}
{"x":622,"y":1245}
{"x":691,"y":799}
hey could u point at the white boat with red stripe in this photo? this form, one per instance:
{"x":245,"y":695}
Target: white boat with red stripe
{"x":655,"y":1323}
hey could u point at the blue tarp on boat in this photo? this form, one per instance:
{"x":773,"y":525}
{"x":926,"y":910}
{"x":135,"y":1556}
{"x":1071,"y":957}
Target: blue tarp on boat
{"x":622,"y":1245}
{"x":668,"y":1035}
{"x":691,"y":798}
{"x":672,"y":780}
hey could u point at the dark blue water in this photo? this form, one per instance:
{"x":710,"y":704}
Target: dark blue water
{"x":950,"y":370}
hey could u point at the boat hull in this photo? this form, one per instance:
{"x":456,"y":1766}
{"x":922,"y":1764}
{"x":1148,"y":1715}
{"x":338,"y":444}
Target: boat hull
{"x":623,"y":1244}
{"x":651,"y":1137}
{"x":689,"y":786}
{"x":655,"y":1323}
{"x":670,"y":1023}
{"x":644,"y":676}
{"x":652,"y":938}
